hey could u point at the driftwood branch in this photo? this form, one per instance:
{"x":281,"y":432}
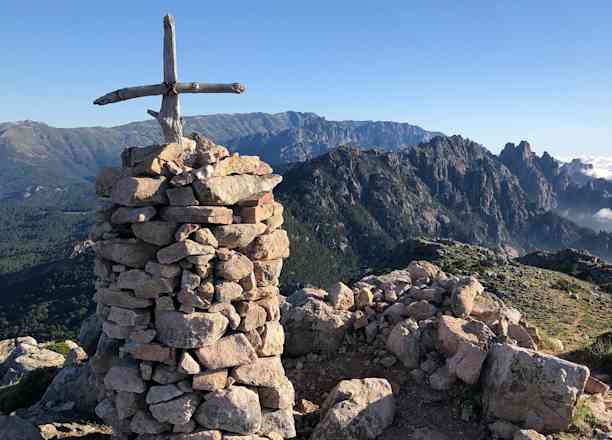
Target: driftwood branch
{"x":161,"y":89}
{"x":170,"y":113}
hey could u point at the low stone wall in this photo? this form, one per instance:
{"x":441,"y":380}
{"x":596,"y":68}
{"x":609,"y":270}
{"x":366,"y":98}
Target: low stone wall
{"x":189,"y":249}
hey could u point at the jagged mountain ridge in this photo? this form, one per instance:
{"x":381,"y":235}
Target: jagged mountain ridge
{"x":33,"y":153}
{"x":366,"y":202}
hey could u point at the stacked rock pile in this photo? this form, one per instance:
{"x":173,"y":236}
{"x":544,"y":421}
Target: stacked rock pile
{"x":444,"y":329}
{"x":189,"y":248}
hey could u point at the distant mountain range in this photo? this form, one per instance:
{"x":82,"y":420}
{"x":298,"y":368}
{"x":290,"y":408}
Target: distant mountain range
{"x":33,"y":153}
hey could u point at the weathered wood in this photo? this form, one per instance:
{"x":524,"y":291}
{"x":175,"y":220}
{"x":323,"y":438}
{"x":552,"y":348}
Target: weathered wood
{"x":160,"y":89}
{"x":169,"y":116}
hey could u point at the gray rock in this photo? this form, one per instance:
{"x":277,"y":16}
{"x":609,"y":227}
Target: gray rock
{"x":359,"y":409}
{"x":143,"y":423}
{"x":264,"y":372}
{"x":25,"y":358}
{"x":178,"y":411}
{"x":280,"y":421}
{"x":229,"y":351}
{"x":533,"y":389}
{"x":139,"y":191}
{"x":162,"y":393}
{"x":182,"y":249}
{"x":341,"y":297}
{"x":314,"y":327}
{"x":229,"y":190}
{"x":404,"y":342}
{"x":156,"y":232}
{"x":132,"y":253}
{"x":235,"y":410}
{"x":125,"y":377}
{"x":216,"y":215}
{"x":182,"y":196}
{"x":238,"y":235}
{"x":192,"y":330}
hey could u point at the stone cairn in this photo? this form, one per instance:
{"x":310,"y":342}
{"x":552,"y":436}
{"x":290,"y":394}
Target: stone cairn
{"x":189,"y":250}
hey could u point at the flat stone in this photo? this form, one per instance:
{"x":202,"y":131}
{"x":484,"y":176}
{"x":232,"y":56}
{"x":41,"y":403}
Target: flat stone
{"x":237,"y":164}
{"x":192,"y":330}
{"x":162,"y":393}
{"x":129,"y":317}
{"x":269,"y":246}
{"x":162,"y":270}
{"x":124,"y":378}
{"x":132,"y":253}
{"x":234,"y":410}
{"x":133,"y":215}
{"x":256,"y":214}
{"x":265,"y":372}
{"x":210,"y":380}
{"x":148,"y":351}
{"x":132,"y":279}
{"x":229,"y":190}
{"x":139,"y":191}
{"x":155,"y":232}
{"x":253,"y":316}
{"x":238,"y":235}
{"x":182,"y":249}
{"x":121,"y":298}
{"x":165,"y":374}
{"x":229,"y":351}
{"x":182,"y":196}
{"x":217,"y":215}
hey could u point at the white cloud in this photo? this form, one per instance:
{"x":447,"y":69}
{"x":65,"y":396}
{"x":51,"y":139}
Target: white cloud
{"x":602,"y":167}
{"x":604,"y":215}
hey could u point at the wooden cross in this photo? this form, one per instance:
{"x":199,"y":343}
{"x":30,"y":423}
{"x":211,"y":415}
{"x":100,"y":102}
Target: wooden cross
{"x":169,"y":116}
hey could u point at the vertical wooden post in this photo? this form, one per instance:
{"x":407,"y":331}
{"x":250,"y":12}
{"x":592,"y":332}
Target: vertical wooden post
{"x":169,"y":116}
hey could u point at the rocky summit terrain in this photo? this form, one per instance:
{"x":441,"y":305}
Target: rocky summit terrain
{"x":461,"y":343}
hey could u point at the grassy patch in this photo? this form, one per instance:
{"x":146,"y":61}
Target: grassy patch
{"x":59,"y":347}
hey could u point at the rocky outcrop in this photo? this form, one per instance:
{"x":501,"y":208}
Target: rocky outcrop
{"x":359,"y":409}
{"x":187,"y":275}
{"x":533,"y":389}
{"x":15,"y":428}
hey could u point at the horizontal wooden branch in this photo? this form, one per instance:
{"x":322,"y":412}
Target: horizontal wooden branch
{"x":163,"y":89}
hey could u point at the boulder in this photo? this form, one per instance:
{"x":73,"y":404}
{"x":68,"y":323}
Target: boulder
{"x":463,"y":296}
{"x":182,"y":196}
{"x":210,"y":380}
{"x":420,"y":310}
{"x":596,"y":386}
{"x":314,"y":327}
{"x":534,"y":389}
{"x":139,"y":191}
{"x":25,"y":358}
{"x":358,"y":409}
{"x":124,"y":377}
{"x":229,"y":190}
{"x":404,"y":342}
{"x":237,"y":164}
{"x":341,"y":297}
{"x":235,"y":410}
{"x":422,"y":270}
{"x":180,"y":330}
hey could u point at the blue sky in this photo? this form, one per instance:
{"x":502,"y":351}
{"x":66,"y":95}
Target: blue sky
{"x":494,"y":71}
